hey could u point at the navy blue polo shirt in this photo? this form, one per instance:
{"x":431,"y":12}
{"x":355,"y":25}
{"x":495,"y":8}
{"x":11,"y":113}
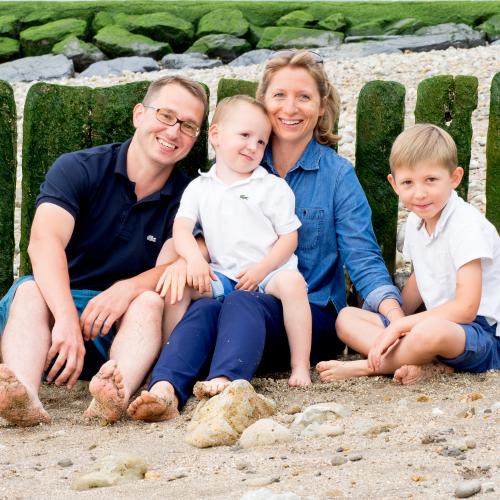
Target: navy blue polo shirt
{"x":115,"y":236}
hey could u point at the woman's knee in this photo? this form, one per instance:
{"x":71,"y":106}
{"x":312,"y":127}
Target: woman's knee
{"x":343,"y":324}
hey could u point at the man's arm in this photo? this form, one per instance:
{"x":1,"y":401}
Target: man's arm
{"x":50,"y":233}
{"x":249,"y":279}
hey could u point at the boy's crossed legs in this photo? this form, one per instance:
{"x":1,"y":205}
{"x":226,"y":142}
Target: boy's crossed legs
{"x":410,"y":359}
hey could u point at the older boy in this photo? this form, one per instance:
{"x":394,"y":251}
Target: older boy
{"x":102,"y":216}
{"x":455,"y":253}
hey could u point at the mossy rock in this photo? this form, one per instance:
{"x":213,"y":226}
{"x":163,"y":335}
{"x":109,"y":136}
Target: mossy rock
{"x":375,"y":27}
{"x":9,"y":26}
{"x":160,"y":26}
{"x":228,"y":21}
{"x":9,"y":49}
{"x":8,"y":137}
{"x":335,"y":22}
{"x":254,"y":34}
{"x":491,"y":27}
{"x":39,"y":40}
{"x":448,"y":102}
{"x":228,"y":87}
{"x":298,"y":19}
{"x":38,"y":17}
{"x":81,"y":53}
{"x":101,"y":20}
{"x":287,"y":38}
{"x":379,"y":120}
{"x":226,"y":47}
{"x":115,"y":41}
{"x":406,"y":26}
{"x":493,"y":156}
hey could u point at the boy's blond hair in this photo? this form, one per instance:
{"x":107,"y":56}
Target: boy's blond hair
{"x":423,"y":142}
{"x":228,"y":103}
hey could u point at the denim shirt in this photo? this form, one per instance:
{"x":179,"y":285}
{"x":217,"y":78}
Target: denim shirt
{"x":336,"y":230}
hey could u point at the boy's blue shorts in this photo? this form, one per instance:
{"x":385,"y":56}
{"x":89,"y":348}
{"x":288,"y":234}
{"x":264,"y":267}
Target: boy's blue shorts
{"x":97,"y":350}
{"x":482,"y":348}
{"x":224,"y":285}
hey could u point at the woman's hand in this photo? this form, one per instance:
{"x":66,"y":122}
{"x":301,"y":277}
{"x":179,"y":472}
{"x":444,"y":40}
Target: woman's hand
{"x":250,"y":278}
{"x":174,"y":278}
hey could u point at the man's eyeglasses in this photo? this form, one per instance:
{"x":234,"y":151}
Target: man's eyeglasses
{"x":168,"y":117}
{"x":317,"y":59}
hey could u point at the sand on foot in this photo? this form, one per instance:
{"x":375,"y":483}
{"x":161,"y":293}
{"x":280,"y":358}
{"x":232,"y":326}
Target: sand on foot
{"x":17,"y":405}
{"x":153,"y":407}
{"x":209,"y":388}
{"x":409,"y":374}
{"x":108,"y":391}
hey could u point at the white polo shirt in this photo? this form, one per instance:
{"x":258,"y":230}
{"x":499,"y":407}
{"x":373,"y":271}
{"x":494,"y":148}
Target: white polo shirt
{"x":462,"y":234}
{"x":242,"y":221}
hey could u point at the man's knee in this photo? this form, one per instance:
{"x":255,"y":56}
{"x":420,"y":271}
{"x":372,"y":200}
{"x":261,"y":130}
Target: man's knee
{"x":28,"y":299}
{"x":148,"y":302}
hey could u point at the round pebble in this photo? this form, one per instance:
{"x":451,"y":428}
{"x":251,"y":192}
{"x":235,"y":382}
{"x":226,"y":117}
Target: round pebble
{"x":338,"y":460}
{"x":66,"y":462}
{"x":355,"y":457}
{"x":466,"y":489}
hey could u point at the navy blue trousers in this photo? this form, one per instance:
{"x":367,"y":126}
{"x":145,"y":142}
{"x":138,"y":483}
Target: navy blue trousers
{"x":234,"y":338}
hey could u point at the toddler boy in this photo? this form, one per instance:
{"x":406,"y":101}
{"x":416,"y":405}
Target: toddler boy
{"x":455,"y":254}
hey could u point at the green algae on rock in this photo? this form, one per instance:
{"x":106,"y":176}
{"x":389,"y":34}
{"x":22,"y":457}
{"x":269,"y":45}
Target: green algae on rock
{"x":284,"y":37}
{"x":228,"y":21}
{"x":493,"y":156}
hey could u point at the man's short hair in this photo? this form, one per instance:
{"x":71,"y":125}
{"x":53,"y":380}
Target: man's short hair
{"x":423,"y":142}
{"x":191,"y":86}
{"x":228,"y":103}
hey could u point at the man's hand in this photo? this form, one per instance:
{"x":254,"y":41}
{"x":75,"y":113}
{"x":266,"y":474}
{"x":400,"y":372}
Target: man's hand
{"x":174,"y":278}
{"x":104,"y":309}
{"x":250,"y":278}
{"x":382,"y":344}
{"x":199,"y":274}
{"x":68,"y":350}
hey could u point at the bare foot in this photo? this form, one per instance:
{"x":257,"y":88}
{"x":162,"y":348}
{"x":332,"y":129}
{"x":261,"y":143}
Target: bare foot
{"x":108,"y":391}
{"x":340,"y":370}
{"x":409,"y":374}
{"x":156,"y":405}
{"x":300,"y":377}
{"x":17,"y":405}
{"x":209,"y":388}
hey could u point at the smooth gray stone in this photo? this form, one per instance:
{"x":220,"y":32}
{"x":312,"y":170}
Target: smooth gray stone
{"x":438,"y":37}
{"x":258,"y":56}
{"x":350,"y":50}
{"x":496,"y":42}
{"x":194,"y":60}
{"x":119,"y":65}
{"x":466,"y":489}
{"x":45,"y":67}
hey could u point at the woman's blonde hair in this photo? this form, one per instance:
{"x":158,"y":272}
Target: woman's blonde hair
{"x":323,"y":132}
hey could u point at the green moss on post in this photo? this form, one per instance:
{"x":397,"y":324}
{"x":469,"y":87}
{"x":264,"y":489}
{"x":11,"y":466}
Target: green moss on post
{"x":56,"y":121}
{"x":449,"y":102}
{"x":228,"y":87}
{"x":379,"y":120}
{"x":493,"y":156}
{"x":7,"y":183}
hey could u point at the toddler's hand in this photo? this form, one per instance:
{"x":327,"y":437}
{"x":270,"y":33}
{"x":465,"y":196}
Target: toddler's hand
{"x":250,"y":278}
{"x":173,"y":278}
{"x":199,"y":274}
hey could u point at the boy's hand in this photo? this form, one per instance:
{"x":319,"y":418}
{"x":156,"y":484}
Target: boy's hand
{"x":199,"y":274}
{"x":382,"y":344}
{"x":250,"y":278}
{"x":174,"y":278}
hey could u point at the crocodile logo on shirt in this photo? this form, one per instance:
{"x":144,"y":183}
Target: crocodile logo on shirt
{"x":243,"y":196}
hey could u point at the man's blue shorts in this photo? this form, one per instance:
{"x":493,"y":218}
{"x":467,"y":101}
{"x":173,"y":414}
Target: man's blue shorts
{"x":482,"y":348}
{"x":97,"y":350}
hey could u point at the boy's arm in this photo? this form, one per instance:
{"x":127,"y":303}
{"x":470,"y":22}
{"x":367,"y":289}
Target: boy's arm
{"x":198,"y":269}
{"x":249,"y":279}
{"x":461,"y":309}
{"x":411,"y":296}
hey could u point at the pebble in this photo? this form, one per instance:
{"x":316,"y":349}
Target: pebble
{"x":355,"y":457}
{"x":466,"y":489}
{"x":437,"y":412}
{"x":263,"y":481}
{"x":495,"y":406}
{"x":267,"y":494}
{"x":66,"y":462}
{"x":338,"y":460}
{"x":488,"y":487}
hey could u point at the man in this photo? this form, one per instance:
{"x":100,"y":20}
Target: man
{"x":101,"y":219}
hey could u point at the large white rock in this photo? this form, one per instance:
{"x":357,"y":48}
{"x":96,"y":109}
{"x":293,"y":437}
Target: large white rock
{"x":220,"y":420}
{"x":264,"y":431}
{"x":319,"y":414}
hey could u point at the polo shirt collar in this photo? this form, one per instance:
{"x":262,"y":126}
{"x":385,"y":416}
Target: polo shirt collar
{"x":309,"y":160}
{"x":448,"y":210}
{"x":258,"y":173}
{"x":170,"y":187}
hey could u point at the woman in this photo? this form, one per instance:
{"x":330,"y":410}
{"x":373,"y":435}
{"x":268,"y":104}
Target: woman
{"x":231,"y":340}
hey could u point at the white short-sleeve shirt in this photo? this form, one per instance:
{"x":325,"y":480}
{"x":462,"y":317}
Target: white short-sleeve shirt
{"x":462,"y":234}
{"x":241,"y":221}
